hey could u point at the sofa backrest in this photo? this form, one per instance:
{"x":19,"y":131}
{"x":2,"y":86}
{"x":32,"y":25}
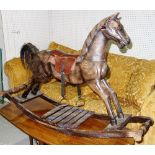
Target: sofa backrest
{"x":16,"y":73}
{"x":132,"y":79}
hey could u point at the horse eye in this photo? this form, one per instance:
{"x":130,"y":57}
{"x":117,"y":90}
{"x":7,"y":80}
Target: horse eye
{"x":115,"y":28}
{"x":120,"y":28}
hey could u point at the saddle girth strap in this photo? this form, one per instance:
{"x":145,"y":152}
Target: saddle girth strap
{"x":62,"y":81}
{"x":78,"y":90}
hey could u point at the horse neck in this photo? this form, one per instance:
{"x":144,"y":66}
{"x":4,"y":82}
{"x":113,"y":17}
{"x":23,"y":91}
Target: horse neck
{"x":98,"y":49}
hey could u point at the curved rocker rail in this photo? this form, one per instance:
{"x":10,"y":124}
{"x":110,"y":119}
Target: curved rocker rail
{"x":103,"y":133}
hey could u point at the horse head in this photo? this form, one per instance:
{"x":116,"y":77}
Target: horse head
{"x":114,"y":30}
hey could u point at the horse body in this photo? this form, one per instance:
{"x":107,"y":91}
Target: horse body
{"x":89,"y":67}
{"x":92,"y":66}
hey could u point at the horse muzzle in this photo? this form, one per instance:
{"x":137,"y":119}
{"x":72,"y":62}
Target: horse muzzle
{"x":124,"y":43}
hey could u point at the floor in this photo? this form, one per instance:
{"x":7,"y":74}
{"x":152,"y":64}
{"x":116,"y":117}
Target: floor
{"x":9,"y":135}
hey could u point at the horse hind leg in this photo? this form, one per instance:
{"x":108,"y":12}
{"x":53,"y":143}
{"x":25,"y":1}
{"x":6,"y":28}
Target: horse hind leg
{"x":96,"y":86}
{"x":35,"y":89}
{"x":28,"y":89}
{"x":114,"y":99}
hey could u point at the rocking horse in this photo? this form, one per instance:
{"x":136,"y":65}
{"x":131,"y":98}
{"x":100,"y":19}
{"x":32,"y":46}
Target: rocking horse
{"x":89,"y":67}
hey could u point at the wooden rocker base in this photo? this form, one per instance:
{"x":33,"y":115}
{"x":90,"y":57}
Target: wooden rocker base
{"x":74,"y":121}
{"x":30,"y":96}
{"x":121,"y":123}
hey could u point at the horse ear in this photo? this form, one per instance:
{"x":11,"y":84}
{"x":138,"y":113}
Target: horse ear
{"x":115,"y":16}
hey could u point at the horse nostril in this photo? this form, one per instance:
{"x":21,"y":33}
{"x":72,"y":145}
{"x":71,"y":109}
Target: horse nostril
{"x":128,"y":41}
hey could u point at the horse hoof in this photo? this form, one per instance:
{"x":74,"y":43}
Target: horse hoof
{"x":34,"y":93}
{"x":80,"y":103}
{"x":24,"y":96}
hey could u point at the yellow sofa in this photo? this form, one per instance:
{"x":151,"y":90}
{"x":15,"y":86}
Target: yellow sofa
{"x":132,"y":79}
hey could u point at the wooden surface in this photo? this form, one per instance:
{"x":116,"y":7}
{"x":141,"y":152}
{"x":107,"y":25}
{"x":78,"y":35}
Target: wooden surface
{"x":47,"y":135}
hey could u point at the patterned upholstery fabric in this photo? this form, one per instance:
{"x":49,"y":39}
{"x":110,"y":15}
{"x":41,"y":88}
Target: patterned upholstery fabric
{"x":16,"y":73}
{"x":132,"y":79}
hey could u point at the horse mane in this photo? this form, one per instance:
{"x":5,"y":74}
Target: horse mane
{"x":90,"y":38}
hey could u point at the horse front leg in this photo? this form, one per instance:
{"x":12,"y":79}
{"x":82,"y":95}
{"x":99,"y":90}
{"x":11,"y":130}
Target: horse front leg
{"x":114,"y":99}
{"x":97,"y":86}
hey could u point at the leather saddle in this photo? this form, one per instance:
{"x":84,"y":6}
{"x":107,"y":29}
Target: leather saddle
{"x":61,"y":58}
{"x":63,"y":64}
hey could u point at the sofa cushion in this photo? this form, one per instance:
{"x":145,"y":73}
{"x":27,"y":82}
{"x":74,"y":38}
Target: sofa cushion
{"x":142,"y":82}
{"x":121,"y":69}
{"x":92,"y":101}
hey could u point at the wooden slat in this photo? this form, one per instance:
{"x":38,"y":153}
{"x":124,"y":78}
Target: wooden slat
{"x":76,"y":118}
{"x":64,"y":115}
{"x":58,"y":113}
{"x":68,"y":118}
{"x":54,"y":110}
{"x":81,"y":120}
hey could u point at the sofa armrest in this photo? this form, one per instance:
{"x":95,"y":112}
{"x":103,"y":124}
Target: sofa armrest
{"x":148,"y":109}
{"x":16,"y":73}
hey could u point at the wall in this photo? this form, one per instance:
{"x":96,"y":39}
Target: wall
{"x":2,"y":46}
{"x":25,"y":26}
{"x":71,"y":28}
{"x":1,"y":36}
{"x":1,"y":32}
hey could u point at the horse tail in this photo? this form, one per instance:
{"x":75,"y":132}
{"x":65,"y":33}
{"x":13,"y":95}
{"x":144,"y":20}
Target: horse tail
{"x":29,"y":56}
{"x":31,"y":60}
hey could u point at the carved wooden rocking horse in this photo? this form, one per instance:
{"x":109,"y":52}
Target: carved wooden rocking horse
{"x":89,"y":67}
